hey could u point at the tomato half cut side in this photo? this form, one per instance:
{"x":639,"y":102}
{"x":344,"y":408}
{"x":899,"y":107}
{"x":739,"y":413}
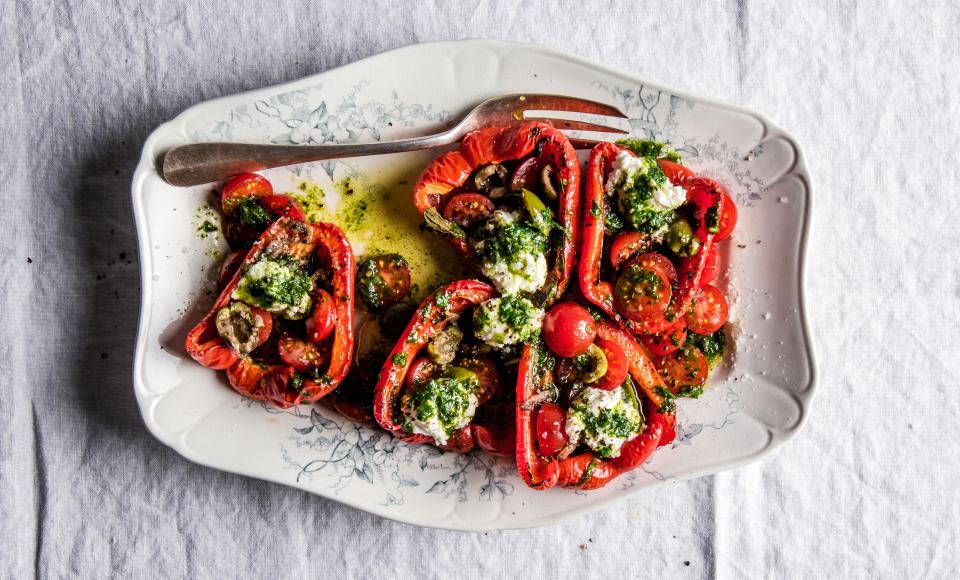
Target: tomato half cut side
{"x":728,"y":219}
{"x":644,"y":288}
{"x":422,"y":370}
{"x":568,"y":329}
{"x":551,"y":429}
{"x":487,"y":375}
{"x":383,"y":280}
{"x":686,"y":367}
{"x":468,"y":210}
{"x":243,"y":186}
{"x":245,"y":376}
{"x":710,"y":311}
{"x":302,"y":355}
{"x":616,"y":365}
{"x":283,"y":206}
{"x":323,"y":317}
{"x":666,"y":342}
{"x":626,"y":246}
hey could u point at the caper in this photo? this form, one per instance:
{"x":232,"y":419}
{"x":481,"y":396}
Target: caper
{"x":681,"y":240}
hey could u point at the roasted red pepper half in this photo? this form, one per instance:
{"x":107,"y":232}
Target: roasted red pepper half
{"x":532,"y":146}
{"x":261,"y":374}
{"x":706,"y":197}
{"x":435,"y":313}
{"x":587,"y":470}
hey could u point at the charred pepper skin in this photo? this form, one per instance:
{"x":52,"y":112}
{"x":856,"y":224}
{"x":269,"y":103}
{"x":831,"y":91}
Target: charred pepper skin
{"x":435,"y":313}
{"x":497,"y":145}
{"x":330,"y":247}
{"x":586,"y":470}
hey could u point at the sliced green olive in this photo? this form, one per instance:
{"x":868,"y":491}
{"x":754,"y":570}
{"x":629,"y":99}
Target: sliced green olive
{"x":681,"y":240}
{"x":592,"y":364}
{"x":443,"y":348}
{"x":489,"y":176}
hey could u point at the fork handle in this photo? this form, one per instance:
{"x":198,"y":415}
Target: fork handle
{"x":199,"y":163}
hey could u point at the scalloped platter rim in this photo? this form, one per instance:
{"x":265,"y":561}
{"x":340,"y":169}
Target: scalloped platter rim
{"x":759,"y":399}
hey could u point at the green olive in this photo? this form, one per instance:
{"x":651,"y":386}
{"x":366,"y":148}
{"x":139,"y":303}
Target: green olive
{"x":461,"y":374}
{"x":546,"y":180}
{"x":592,"y":364}
{"x":443,"y":348}
{"x":681,"y":240}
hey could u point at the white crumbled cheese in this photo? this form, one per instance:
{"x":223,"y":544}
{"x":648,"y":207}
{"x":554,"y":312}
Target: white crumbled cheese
{"x":265,"y":270}
{"x":490,"y":321}
{"x":526,"y":273}
{"x":592,"y":403}
{"x":626,"y":169}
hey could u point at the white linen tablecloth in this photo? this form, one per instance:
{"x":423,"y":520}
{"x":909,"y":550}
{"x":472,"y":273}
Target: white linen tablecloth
{"x":872,"y":90}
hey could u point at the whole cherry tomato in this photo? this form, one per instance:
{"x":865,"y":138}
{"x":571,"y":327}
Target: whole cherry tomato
{"x":241,"y":187}
{"x":568,"y":329}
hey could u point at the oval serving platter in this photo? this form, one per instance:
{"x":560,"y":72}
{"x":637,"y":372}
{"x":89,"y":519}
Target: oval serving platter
{"x":757,"y":401}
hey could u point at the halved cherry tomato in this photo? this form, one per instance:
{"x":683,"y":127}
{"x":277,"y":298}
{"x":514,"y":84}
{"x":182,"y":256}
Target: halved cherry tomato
{"x":230,"y":267}
{"x":644,"y":288}
{"x":487,"y":375}
{"x":383,"y":280}
{"x":241,"y":187}
{"x":676,"y":173}
{"x":467,"y":210}
{"x":302,"y":355}
{"x":275,"y":385}
{"x":685,"y":368}
{"x":667,"y":341}
{"x":617,"y":365}
{"x":710,"y":311}
{"x":628,"y":245}
{"x":323,"y":318}
{"x":283,"y":206}
{"x":551,"y":429}
{"x":728,"y":219}
{"x":422,"y":370}
{"x":568,"y":329}
{"x":711,"y":268}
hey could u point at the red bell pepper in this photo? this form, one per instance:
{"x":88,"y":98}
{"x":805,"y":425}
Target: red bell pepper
{"x":435,"y":313}
{"x":263,"y":379}
{"x":586,"y":470}
{"x":527,"y":141}
{"x":707,"y":199}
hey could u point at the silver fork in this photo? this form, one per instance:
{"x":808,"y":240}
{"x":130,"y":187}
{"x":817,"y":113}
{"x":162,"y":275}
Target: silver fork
{"x":198,"y":163}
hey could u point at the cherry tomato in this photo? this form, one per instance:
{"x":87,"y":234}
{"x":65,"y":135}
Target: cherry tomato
{"x":706,"y":197}
{"x":526,"y":174}
{"x":422,"y":370}
{"x":283,"y":206}
{"x":468,"y":210}
{"x":487,"y":374}
{"x":323,"y":318}
{"x":667,"y":341}
{"x":383,"y":280}
{"x":676,"y":173}
{"x":710,"y":311}
{"x":245,"y":376}
{"x":728,"y":219}
{"x":302,"y":355}
{"x":238,"y":234}
{"x":616,"y":365}
{"x":626,"y":246}
{"x":275,"y":386}
{"x":712,"y":267}
{"x":230,"y":267}
{"x":686,"y":367}
{"x":241,"y":187}
{"x":644,"y":288}
{"x":551,"y":429}
{"x":568,"y":329}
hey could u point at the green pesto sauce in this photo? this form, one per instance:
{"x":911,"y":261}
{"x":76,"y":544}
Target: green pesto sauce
{"x":252,"y":213}
{"x":205,"y":221}
{"x":648,"y":280}
{"x":650,"y":148}
{"x":616,"y":422}
{"x":381,"y":219}
{"x":711,"y":345}
{"x":510,"y":241}
{"x":446,"y":398}
{"x":285,"y":283}
{"x":516,"y":311}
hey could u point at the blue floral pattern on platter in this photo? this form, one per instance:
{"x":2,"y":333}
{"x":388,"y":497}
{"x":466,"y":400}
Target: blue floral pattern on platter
{"x":324,"y":446}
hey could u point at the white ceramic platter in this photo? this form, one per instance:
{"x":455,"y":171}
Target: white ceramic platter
{"x":757,"y":401}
